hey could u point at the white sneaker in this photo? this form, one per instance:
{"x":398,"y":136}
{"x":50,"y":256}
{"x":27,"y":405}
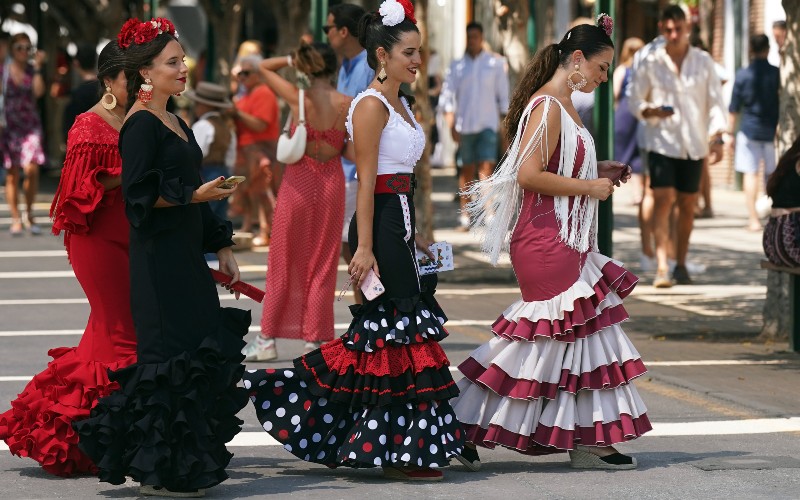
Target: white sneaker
{"x":311,"y":346}
{"x":260,"y":349}
{"x":647,"y":264}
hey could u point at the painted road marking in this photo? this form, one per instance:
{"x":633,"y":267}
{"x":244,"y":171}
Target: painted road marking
{"x":666,"y":429}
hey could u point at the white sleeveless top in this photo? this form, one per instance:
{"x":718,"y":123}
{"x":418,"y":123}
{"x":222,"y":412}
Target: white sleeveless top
{"x":401,"y":144}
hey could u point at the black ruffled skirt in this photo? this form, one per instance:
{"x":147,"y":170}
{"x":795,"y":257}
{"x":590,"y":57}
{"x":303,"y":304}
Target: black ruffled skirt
{"x":169,"y":422}
{"x":377,"y":396}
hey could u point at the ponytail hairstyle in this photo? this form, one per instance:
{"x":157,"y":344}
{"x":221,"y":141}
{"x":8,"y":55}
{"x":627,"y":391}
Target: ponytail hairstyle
{"x":316,"y":59}
{"x":787,"y":162}
{"x":373,"y":33}
{"x":587,"y":38}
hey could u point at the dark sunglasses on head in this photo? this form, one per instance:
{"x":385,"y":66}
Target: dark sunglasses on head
{"x":327,"y":28}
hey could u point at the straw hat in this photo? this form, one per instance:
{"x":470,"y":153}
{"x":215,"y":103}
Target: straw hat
{"x":211,"y":94}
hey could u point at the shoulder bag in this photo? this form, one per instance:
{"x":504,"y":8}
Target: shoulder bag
{"x":292,"y":147}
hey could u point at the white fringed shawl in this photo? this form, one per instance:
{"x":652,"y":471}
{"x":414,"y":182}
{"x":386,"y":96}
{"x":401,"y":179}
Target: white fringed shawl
{"x":496,"y":201}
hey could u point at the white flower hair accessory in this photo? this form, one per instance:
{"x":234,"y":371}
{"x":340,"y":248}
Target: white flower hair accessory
{"x":392,"y":13}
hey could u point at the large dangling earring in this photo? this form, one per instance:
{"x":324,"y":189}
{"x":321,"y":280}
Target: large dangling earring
{"x":145,"y":91}
{"x":109,"y":105}
{"x":382,"y":76}
{"x":580,"y":83}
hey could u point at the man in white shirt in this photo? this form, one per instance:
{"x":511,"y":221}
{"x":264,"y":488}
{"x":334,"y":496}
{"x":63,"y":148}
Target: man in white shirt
{"x":214,"y":135}
{"x":676,"y":91}
{"x":474,"y":98}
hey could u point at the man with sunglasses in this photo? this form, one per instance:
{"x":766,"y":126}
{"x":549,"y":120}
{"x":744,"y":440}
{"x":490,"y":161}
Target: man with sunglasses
{"x":355,"y":75}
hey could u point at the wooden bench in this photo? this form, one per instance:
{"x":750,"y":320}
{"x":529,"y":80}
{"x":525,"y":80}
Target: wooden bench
{"x":794,"y":301}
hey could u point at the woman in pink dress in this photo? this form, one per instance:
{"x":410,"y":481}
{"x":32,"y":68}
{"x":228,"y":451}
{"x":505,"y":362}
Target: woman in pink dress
{"x":557,"y":376}
{"x":21,"y":143}
{"x":303,"y":253}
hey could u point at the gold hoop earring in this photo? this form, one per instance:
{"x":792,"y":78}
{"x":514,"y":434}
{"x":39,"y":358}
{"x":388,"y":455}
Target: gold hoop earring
{"x":382,"y":76}
{"x":580,"y":83}
{"x":105,"y":103}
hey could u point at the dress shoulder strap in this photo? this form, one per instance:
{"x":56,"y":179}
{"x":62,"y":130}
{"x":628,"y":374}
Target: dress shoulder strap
{"x":368,"y":92}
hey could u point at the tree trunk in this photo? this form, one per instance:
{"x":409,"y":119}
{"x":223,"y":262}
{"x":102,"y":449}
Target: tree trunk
{"x":424,"y":114}
{"x":292,"y":17}
{"x":775,"y":319}
{"x":224,"y":18}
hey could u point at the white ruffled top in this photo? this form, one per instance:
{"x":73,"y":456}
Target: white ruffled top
{"x":401,"y":144}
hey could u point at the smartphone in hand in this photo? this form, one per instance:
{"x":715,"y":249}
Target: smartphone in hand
{"x":232,"y":181}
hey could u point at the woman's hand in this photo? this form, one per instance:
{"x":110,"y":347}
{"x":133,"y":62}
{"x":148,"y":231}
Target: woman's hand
{"x":210,"y":192}
{"x":363,"y":260}
{"x":616,"y":171}
{"x":600,"y":188}
{"x":423,"y":244}
{"x":228,"y":265}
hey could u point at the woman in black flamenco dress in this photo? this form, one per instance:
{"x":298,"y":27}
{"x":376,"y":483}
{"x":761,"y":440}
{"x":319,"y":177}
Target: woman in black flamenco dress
{"x":176,"y":408}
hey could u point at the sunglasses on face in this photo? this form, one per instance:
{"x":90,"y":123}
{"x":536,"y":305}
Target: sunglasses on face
{"x":327,"y":28}
{"x":23,"y":47}
{"x":245,"y":73}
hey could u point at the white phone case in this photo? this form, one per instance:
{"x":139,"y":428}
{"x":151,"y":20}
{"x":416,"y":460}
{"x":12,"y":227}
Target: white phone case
{"x":372,"y":286}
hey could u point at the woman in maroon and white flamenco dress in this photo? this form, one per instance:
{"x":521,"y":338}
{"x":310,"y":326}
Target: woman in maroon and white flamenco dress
{"x":557,"y":375}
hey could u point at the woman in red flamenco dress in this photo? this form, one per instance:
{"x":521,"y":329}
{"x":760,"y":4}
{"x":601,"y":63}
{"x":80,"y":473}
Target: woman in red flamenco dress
{"x":88,"y":207}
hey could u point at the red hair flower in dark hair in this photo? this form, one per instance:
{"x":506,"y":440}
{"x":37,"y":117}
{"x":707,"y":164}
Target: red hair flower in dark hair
{"x":139,"y":32}
{"x":605,"y":23}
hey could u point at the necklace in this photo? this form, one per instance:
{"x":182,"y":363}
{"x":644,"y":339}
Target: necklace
{"x":166,"y":121}
{"x":116,"y":116}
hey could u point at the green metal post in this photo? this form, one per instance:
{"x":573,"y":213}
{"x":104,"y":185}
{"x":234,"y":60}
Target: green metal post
{"x":153,"y":7}
{"x":604,"y":138}
{"x":317,"y":17}
{"x":532,"y":45}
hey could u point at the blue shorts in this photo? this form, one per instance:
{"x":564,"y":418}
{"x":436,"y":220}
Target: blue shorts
{"x":749,"y":154}
{"x":480,"y":147}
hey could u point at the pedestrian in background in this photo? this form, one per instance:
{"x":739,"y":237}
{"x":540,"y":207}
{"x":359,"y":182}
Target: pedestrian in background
{"x":532,"y":387}
{"x":355,"y":75}
{"x":626,"y":126}
{"x":782,"y":234}
{"x":84,"y":95}
{"x":378,"y":394}
{"x":88,"y":208}
{"x":755,"y":99}
{"x":168,"y":423}
{"x":304,"y":253}
{"x":474,"y":98}
{"x":215,"y":136}
{"x":22,"y":142}
{"x":677,"y":92}
{"x":256,"y":115}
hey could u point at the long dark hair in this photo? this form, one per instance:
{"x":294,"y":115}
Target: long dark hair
{"x":138,"y":56}
{"x":372,"y":33}
{"x":316,"y":59}
{"x":787,"y":162}
{"x":109,"y":63}
{"x":587,"y":38}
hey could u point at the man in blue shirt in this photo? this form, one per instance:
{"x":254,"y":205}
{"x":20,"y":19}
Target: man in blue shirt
{"x":355,"y":75}
{"x":755,"y":100}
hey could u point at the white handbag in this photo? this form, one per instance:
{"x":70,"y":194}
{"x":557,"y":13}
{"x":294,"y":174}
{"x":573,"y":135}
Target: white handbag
{"x":292,"y":147}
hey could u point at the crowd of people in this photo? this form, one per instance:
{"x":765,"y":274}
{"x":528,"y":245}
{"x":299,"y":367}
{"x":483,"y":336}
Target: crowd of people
{"x":154,"y":387}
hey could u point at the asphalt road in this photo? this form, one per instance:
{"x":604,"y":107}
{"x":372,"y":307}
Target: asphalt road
{"x":724,"y":404}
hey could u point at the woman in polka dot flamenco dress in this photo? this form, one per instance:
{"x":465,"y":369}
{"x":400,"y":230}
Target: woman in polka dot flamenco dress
{"x":378,"y":395}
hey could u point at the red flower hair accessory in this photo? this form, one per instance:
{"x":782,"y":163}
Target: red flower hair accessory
{"x":408,"y":7}
{"x":605,"y":23}
{"x":140,"y":32}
